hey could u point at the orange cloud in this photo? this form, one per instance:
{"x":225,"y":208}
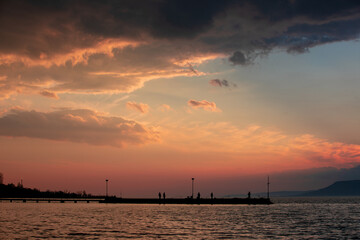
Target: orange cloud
{"x":109,"y":67}
{"x":141,"y":107}
{"x":149,"y":75}
{"x":75,"y":56}
{"x":80,"y":125}
{"x":196,"y":59}
{"x":256,"y":146}
{"x":206,"y":105}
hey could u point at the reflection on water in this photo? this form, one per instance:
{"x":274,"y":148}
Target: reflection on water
{"x":288,"y":218}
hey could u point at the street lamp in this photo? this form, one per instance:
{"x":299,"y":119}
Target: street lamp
{"x":106,"y":187}
{"x":192,"y":188}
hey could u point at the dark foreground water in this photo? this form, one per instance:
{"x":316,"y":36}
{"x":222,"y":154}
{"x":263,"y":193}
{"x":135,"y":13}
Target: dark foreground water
{"x":298,"y":218}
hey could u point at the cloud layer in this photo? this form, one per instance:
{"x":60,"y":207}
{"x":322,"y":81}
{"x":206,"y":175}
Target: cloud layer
{"x":90,"y":46}
{"x":82,"y":125}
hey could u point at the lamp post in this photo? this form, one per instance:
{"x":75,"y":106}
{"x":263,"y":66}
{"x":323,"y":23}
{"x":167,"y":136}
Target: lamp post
{"x":106,"y":187}
{"x":192,"y":188}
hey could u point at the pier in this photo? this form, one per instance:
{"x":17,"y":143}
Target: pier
{"x":207,"y":201}
{"x":12,"y":193}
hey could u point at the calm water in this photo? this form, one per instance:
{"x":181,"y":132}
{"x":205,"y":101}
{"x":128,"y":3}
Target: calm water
{"x":337,"y":218}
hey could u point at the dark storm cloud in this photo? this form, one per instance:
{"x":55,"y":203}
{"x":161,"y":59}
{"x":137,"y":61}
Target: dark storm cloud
{"x":279,"y":10}
{"x":86,"y":45}
{"x":35,"y":27}
{"x":238,"y":58}
{"x":186,"y":18}
{"x":39,"y":26}
{"x":301,"y":37}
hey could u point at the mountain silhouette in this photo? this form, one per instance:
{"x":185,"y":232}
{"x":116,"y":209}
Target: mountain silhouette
{"x":340,"y":188}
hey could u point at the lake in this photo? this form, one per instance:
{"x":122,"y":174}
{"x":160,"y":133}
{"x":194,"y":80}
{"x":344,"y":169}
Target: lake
{"x":288,"y":218}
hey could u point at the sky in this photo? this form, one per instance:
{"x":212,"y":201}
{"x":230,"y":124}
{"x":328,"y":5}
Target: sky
{"x":150,"y":94}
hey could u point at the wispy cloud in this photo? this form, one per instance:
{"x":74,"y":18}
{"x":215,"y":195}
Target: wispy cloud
{"x":203,"y":104}
{"x":221,"y":83}
{"x":192,"y":69}
{"x":140,"y":107}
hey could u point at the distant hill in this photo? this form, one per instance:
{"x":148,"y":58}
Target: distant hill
{"x":340,"y":188}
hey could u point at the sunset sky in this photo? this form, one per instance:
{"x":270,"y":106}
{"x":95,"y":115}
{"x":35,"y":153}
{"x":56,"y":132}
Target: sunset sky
{"x":149,"y":94}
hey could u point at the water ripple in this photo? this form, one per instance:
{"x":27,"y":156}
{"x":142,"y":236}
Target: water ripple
{"x":300,"y":219}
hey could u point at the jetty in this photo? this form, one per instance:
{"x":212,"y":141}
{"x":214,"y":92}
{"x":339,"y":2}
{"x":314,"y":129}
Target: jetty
{"x":208,"y":201}
{"x":12,"y":193}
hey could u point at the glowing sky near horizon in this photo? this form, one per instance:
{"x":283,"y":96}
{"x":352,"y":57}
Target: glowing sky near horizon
{"x":151,"y":93}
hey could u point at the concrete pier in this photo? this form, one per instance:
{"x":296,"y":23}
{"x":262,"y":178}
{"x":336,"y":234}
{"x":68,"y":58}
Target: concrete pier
{"x":208,"y":201}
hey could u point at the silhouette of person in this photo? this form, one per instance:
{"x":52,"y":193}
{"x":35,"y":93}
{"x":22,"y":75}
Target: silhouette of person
{"x":212,"y":195}
{"x":159,"y":195}
{"x":198,"y":196}
{"x":164,"y":195}
{"x":249,"y":195}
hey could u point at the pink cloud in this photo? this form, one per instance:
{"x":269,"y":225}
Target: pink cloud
{"x":257,"y":148}
{"x":206,"y":105}
{"x":141,"y":107}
